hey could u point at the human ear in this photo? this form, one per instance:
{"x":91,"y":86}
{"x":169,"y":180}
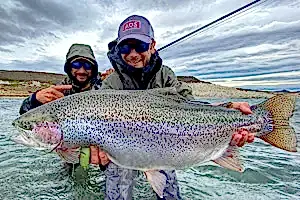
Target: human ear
{"x":152,"y":47}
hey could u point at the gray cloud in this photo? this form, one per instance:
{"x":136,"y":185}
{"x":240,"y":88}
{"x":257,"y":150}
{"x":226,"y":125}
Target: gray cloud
{"x":50,"y":10}
{"x":35,"y":35}
{"x":52,"y":64}
{"x":36,"y":18}
{"x":5,"y":50}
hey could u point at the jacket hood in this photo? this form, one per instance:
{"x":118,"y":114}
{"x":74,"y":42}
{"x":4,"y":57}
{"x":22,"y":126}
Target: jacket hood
{"x":81,"y":50}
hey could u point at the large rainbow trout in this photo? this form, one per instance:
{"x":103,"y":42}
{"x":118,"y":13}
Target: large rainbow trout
{"x":152,"y":130}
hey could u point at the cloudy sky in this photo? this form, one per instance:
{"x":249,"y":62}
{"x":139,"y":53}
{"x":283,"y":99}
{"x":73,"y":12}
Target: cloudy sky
{"x":259,"y":48}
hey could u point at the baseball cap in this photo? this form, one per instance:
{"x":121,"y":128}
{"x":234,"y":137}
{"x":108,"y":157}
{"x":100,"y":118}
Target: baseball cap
{"x":136,"y":27}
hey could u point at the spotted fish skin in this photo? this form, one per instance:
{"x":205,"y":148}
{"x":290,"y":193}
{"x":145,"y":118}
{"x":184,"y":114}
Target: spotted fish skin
{"x":152,"y":129}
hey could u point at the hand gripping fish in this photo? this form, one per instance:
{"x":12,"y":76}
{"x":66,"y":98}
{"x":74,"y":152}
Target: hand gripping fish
{"x":152,"y":130}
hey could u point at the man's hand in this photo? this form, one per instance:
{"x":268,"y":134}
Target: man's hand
{"x":98,"y":156}
{"x":244,"y":107}
{"x":106,"y":73}
{"x":240,"y":137}
{"x":52,"y":93}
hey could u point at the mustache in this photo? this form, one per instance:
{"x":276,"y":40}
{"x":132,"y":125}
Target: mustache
{"x":82,"y":74}
{"x":135,"y":60}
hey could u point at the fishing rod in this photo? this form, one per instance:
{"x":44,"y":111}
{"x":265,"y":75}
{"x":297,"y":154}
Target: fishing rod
{"x":211,"y":23}
{"x":251,"y":9}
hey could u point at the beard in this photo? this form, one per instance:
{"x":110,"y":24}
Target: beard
{"x":81,"y":84}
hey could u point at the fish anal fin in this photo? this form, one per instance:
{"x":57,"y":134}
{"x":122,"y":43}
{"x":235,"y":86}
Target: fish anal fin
{"x":157,"y":180}
{"x":230,"y":159}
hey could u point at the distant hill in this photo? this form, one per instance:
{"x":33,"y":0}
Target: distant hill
{"x":190,"y":79}
{"x":44,"y":77}
{"x":14,"y":75}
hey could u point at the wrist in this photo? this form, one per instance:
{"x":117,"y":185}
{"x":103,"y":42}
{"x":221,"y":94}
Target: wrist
{"x":34,"y":101}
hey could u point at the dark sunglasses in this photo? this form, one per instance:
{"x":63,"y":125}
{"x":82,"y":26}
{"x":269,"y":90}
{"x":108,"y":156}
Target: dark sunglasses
{"x":85,"y":64}
{"x":139,"y":47}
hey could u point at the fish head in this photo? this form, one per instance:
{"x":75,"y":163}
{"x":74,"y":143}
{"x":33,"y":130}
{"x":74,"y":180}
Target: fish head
{"x":38,"y":130}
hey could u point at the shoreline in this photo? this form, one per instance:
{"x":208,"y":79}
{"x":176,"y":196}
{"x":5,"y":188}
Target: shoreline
{"x":6,"y":96}
{"x":200,"y":89}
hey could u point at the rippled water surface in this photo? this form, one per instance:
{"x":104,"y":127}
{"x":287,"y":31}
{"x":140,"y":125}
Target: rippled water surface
{"x":27,"y":173}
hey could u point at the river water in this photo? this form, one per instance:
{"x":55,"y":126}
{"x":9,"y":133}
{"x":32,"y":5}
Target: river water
{"x":26,"y":173}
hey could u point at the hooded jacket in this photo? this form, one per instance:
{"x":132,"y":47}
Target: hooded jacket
{"x":76,"y":50}
{"x":80,"y":50}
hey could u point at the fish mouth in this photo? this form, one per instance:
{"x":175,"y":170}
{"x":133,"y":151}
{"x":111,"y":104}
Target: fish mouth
{"x":25,"y":138}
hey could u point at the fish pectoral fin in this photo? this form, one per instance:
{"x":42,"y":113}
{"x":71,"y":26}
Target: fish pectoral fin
{"x":157,"y":180}
{"x":70,"y":155}
{"x":231,"y":159}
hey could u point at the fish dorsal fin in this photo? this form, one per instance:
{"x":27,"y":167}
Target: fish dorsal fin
{"x":164,"y":91}
{"x":168,"y":92}
{"x":157,"y":180}
{"x":231,"y":159}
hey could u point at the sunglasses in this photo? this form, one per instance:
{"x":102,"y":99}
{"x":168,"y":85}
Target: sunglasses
{"x":139,"y":47}
{"x":78,"y":64}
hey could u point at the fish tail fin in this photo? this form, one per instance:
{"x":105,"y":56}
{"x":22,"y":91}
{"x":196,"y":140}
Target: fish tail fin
{"x":278,"y":132}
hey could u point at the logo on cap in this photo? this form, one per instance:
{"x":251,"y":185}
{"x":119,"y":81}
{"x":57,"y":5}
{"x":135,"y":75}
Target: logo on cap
{"x":133,"y":24}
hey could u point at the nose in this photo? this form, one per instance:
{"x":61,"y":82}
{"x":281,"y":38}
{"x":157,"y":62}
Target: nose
{"x":81,"y":70}
{"x":133,"y":52}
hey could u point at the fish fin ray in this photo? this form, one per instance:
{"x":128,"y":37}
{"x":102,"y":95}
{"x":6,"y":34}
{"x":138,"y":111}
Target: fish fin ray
{"x":230,"y":159}
{"x":157,"y":180}
{"x":278,"y":132}
{"x":280,"y":106}
{"x":170,"y":93}
{"x":282,"y":137}
{"x":70,"y":155}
